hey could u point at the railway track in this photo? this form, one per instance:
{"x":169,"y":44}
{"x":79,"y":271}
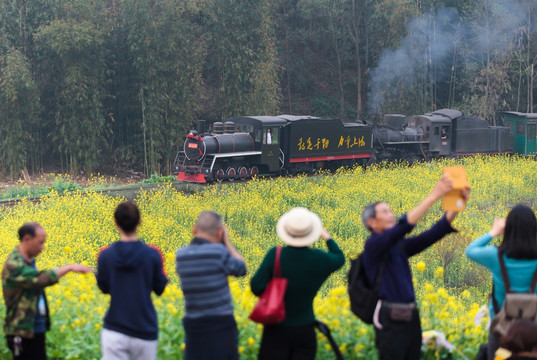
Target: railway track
{"x":128,"y":192}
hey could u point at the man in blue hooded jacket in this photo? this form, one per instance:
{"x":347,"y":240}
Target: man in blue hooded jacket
{"x":129,"y":271}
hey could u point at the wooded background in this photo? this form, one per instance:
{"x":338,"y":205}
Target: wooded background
{"x":89,"y":85}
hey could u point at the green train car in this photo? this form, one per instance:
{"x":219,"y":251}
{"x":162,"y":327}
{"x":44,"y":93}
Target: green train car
{"x":524,"y":128}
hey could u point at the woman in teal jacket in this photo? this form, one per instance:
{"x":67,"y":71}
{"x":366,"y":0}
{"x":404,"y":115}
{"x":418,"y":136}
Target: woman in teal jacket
{"x":519,"y":247}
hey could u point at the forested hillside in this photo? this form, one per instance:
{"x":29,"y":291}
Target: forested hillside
{"x":103,"y":84}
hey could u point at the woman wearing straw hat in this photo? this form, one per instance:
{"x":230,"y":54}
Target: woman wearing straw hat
{"x":306,"y":269}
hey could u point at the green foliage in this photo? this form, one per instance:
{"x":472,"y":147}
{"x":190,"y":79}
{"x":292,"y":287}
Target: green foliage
{"x":92,"y":84}
{"x":64,"y":184}
{"x":488,"y":90}
{"x":80,"y":124}
{"x":60,"y":185}
{"x":19,"y":108}
{"x":168,"y":49}
{"x":242,"y":60}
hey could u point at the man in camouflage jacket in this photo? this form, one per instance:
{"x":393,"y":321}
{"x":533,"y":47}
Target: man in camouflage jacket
{"x":27,"y":314}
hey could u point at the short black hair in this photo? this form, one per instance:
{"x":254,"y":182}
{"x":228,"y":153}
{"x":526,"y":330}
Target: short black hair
{"x":28,"y":229}
{"x":127,"y":217}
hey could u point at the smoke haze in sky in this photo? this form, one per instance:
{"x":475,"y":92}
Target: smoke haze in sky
{"x":431,"y":40}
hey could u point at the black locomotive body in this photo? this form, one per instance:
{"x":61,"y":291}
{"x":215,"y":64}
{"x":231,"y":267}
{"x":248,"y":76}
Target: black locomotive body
{"x":246,"y":146}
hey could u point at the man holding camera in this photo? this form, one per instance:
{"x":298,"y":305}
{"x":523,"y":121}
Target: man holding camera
{"x":203,"y":268}
{"x":387,"y":249}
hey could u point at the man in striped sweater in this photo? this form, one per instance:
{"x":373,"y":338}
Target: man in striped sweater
{"x":203,"y":267}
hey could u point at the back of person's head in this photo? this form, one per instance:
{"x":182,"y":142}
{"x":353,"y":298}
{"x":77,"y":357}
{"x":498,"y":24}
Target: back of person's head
{"x":127,"y":217}
{"x":520,"y":234}
{"x":209,"y":222}
{"x":28,"y":228}
{"x":369,"y":213}
{"x":521,"y":337}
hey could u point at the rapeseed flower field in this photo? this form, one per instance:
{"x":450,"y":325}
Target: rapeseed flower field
{"x":450,"y":290}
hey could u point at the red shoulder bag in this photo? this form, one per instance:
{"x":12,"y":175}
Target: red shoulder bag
{"x":270,"y":309}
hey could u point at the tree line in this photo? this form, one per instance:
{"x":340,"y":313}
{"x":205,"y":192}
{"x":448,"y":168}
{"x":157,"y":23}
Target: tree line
{"x":90,"y":85}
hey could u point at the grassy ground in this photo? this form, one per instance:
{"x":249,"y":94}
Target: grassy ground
{"x":63,"y":184}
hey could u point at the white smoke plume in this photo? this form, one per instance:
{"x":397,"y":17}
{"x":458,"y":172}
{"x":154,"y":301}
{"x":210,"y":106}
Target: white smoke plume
{"x":431,"y":39}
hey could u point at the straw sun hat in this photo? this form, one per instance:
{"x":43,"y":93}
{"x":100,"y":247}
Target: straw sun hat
{"x":299,"y":227}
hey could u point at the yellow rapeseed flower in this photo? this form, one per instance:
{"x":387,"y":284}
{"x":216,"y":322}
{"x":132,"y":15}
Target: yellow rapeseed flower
{"x":439,"y":272}
{"x":420,"y":266}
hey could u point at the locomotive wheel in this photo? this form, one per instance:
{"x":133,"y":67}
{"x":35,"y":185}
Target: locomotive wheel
{"x":231,"y":173}
{"x":219,"y":175}
{"x":243,"y":172}
{"x":254,"y":170}
{"x":291,"y":172}
{"x":415,"y":159}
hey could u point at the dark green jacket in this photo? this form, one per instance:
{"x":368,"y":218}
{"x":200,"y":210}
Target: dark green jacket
{"x":306,"y":270}
{"x":21,"y":285}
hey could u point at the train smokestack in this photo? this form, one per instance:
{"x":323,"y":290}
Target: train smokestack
{"x":218,"y":127}
{"x":201,"y":126}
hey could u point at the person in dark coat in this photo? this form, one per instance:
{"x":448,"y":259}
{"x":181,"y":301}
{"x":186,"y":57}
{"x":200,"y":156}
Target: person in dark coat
{"x":396,"y":318}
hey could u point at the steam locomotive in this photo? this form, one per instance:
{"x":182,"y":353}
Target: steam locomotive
{"x":247,"y":146}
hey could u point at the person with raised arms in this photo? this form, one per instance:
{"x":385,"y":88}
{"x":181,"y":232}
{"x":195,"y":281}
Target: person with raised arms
{"x":396,"y":319}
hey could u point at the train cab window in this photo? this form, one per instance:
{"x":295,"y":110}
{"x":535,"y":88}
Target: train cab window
{"x":436,"y":130}
{"x":246,"y":128}
{"x":271,"y":136}
{"x":444,"y":132}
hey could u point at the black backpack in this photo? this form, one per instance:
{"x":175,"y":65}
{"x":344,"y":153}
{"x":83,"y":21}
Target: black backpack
{"x":362,"y":296}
